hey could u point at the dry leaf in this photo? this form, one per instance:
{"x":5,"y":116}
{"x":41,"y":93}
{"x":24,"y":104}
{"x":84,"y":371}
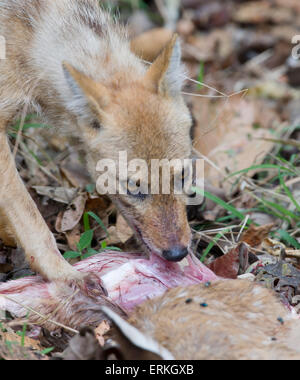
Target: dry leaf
{"x":11,"y":336}
{"x":124,"y":232}
{"x":17,"y":352}
{"x":76,"y":175}
{"x":274,"y":248}
{"x":284,"y":278}
{"x":212,"y":14}
{"x":73,"y":238}
{"x":254,"y":236}
{"x":203,"y":47}
{"x":231,"y":264}
{"x":100,"y":331}
{"x":99,"y":205}
{"x":185,"y":27}
{"x":58,"y":194}
{"x":68,"y":219}
{"x":232,"y":141}
{"x":259,"y":12}
{"x":113,"y":237}
{"x":292,"y":4}
{"x":149,"y":44}
{"x":273,"y":90}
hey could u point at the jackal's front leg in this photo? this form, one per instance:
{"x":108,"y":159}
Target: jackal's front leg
{"x":27,"y":225}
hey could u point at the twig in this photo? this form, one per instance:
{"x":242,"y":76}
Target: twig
{"x":242,"y":229}
{"x":39,"y":314}
{"x":291,"y":142}
{"x":212,"y":164}
{"x":19,"y":134}
{"x":169,"y":9}
{"x":59,"y":307}
{"x":288,"y":252}
{"x":42,"y":168}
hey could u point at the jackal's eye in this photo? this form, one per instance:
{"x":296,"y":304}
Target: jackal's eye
{"x":141,"y":196}
{"x":134,"y":190}
{"x":96,"y":125}
{"x":184,"y":179}
{"x":193,"y":126}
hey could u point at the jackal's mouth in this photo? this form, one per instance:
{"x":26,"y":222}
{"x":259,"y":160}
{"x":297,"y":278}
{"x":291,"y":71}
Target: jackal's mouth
{"x":180,"y":254}
{"x":173,"y":255}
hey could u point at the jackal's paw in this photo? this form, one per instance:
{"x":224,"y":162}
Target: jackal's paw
{"x":94,"y":286}
{"x":89,"y":284}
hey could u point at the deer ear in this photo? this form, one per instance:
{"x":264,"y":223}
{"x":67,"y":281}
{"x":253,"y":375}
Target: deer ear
{"x":134,"y":341}
{"x":87,"y":94}
{"x":166,"y":74}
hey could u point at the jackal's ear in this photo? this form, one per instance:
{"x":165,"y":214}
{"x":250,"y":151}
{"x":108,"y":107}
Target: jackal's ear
{"x":166,"y":74}
{"x":88,"y":95}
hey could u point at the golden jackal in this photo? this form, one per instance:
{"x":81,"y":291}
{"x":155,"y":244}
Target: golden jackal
{"x":70,"y":62}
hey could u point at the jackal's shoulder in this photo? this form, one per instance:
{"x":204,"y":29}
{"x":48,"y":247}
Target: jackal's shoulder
{"x":41,"y":34}
{"x":68,"y":13}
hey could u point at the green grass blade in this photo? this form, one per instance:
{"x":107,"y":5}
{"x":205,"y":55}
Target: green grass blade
{"x":71,"y":255}
{"x":35,"y":157}
{"x":86,"y":222}
{"x":98,"y":220}
{"x":288,"y":239}
{"x":201,"y":76}
{"x":281,"y":209}
{"x":113,"y":249}
{"x":47,"y":351}
{"x":262,"y":167}
{"x":85,"y":240}
{"x":210,"y":246}
{"x":288,"y":192}
{"x":23,"y":335}
{"x":232,"y":210}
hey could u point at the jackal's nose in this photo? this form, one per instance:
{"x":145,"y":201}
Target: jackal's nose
{"x":175,"y":254}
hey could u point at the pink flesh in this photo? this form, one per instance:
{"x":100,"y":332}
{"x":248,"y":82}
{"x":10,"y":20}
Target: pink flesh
{"x":129,"y":279}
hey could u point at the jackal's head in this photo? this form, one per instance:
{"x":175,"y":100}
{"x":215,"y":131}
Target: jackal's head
{"x":145,"y":116}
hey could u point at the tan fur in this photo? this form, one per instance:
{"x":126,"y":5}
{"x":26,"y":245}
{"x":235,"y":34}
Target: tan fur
{"x":72,"y":64}
{"x":239,"y":322}
{"x":6,"y":234}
